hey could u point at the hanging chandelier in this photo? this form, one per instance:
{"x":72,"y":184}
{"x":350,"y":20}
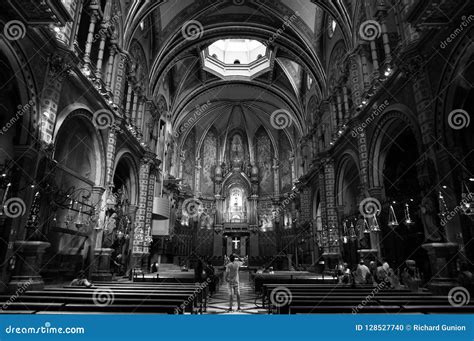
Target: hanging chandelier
{"x":374,"y":225}
{"x":366,"y":226}
{"x":467,"y":200}
{"x":408,"y":221}
{"x":392,"y":218}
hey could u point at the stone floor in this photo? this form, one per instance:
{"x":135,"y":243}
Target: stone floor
{"x":219,"y":303}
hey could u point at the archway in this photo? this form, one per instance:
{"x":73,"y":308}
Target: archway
{"x":396,"y":153}
{"x":120,"y":215}
{"x":348,"y":199}
{"x":79,"y":157}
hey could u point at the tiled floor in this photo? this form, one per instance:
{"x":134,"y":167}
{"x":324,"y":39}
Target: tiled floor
{"x":219,"y":303}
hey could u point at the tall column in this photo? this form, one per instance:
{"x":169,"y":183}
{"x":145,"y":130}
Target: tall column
{"x":375,"y":61}
{"x":365,"y":67}
{"x":355,"y":77}
{"x":197,"y":182}
{"x":100,"y":55}
{"x":90,"y":36}
{"x":346,"y":102}
{"x":139,"y":232}
{"x":363,"y":159}
{"x":276,"y":178}
{"x":58,"y":69}
{"x":385,"y":39}
{"x":110,"y":66}
{"x":340,"y":114}
{"x":331,"y":212}
{"x":134,"y":109}
{"x":140,"y":115}
{"x":333,"y":118}
{"x":118,"y":71}
{"x":128,"y":103}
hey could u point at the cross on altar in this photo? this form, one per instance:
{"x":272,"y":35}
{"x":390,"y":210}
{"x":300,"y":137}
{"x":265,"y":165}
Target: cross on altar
{"x":236,"y":242}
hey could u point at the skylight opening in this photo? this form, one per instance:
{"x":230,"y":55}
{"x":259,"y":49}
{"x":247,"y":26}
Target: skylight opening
{"x":245,"y":51}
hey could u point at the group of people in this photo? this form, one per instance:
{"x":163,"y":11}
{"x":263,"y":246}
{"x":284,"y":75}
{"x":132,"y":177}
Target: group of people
{"x":375,"y":274}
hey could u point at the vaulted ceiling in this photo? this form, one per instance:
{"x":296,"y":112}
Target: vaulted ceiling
{"x":174,"y":34}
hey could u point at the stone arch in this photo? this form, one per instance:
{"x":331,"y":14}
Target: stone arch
{"x":125,"y":157}
{"x":348,"y":182}
{"x":390,"y":123}
{"x":72,"y":126}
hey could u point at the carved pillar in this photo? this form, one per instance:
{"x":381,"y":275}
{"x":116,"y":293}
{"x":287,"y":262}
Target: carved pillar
{"x":110,"y":66}
{"x":100,"y":56}
{"x":139,"y":247}
{"x":386,"y":42}
{"x":331,"y":212}
{"x":355,"y":77}
{"x":134,"y":108}
{"x":128,"y":103}
{"x":333,"y":116}
{"x":90,"y":36}
{"x":120,"y":79}
{"x":340,"y":113}
{"x":197,"y":182}
{"x":365,"y":66}
{"x":346,"y":103}
{"x":58,"y":69}
{"x":140,"y":115}
{"x":375,"y":60}
{"x":363,"y":159}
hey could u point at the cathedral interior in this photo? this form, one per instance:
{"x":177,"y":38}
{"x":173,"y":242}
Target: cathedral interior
{"x":142,"y":140}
